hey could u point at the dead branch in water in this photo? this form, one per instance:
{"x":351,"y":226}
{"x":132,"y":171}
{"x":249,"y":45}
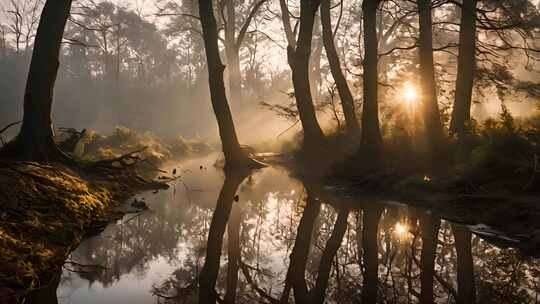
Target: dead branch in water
{"x":9,"y":126}
{"x":124,"y":161}
{"x":4,"y":129}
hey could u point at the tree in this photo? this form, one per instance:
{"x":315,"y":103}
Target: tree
{"x":371,"y":140}
{"x":234,"y":155}
{"x":35,"y":140}
{"x":347,"y":100}
{"x":298,"y":55}
{"x":233,"y":43}
{"x":461,"y":113}
{"x":432,"y":119}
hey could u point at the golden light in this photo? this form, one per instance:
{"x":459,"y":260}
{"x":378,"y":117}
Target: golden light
{"x":410,"y":93}
{"x":401,"y":229}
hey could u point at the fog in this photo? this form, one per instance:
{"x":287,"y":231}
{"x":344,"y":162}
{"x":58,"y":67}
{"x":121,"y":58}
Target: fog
{"x":141,"y":65}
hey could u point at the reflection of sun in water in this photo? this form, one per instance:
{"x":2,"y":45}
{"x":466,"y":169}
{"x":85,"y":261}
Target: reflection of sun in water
{"x":401,"y":229}
{"x":410,"y":93}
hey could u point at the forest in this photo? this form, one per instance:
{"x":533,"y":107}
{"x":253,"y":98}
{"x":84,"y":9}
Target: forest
{"x":269,"y":151}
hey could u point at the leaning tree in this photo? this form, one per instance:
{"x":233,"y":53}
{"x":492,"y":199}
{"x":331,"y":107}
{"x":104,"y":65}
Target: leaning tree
{"x":234,"y":155}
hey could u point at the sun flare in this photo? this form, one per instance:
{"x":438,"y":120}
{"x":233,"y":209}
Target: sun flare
{"x":410,"y":92}
{"x":401,"y":229}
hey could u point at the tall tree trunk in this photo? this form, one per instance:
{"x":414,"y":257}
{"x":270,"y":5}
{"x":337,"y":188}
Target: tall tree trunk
{"x":315,"y":76}
{"x":234,"y":156}
{"x":371,"y":134}
{"x":370,"y":253}
{"x":235,"y":75}
{"x":313,"y":135}
{"x":35,"y":140}
{"x":347,"y":101}
{"x":210,"y":270}
{"x":429,"y":230}
{"x":465,"y":268}
{"x":232,"y":52}
{"x":432,"y":119}
{"x":461,"y":114}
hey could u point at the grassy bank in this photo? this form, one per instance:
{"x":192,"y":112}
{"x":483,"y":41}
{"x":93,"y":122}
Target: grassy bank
{"x":45,"y":213}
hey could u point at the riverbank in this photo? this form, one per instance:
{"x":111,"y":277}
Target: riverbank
{"x":46,"y":211}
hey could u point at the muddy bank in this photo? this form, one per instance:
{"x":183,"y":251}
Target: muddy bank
{"x":508,"y":219}
{"x":45,"y":213}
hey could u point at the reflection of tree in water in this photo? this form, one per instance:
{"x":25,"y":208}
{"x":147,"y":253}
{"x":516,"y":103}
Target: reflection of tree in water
{"x":129,"y":247}
{"x":301,"y":246}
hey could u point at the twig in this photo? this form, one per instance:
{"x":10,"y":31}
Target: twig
{"x":9,"y":126}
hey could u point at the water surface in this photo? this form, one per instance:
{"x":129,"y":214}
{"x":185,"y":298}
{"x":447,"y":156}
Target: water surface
{"x":268,"y":237}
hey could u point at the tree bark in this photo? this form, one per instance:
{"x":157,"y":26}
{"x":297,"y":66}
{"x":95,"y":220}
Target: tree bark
{"x":432,"y":119}
{"x":35,"y":140}
{"x":371,"y":140}
{"x":234,"y":156}
{"x":347,"y":100}
{"x":313,"y":135}
{"x":465,"y":268}
{"x":461,"y":113}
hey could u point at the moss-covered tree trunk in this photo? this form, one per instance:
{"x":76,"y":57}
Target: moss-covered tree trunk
{"x":35,"y":140}
{"x":347,"y":101}
{"x":461,"y":113}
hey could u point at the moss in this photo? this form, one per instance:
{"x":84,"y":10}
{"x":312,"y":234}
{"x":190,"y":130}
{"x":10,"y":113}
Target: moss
{"x":46,"y":212}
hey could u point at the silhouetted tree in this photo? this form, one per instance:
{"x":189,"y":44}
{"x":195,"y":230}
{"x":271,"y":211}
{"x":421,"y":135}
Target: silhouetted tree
{"x":371,"y":140}
{"x":347,"y":100}
{"x":298,"y":56}
{"x":432,"y":119}
{"x":35,"y":140}
{"x":234,"y":155}
{"x":233,"y":42}
{"x":461,"y":113}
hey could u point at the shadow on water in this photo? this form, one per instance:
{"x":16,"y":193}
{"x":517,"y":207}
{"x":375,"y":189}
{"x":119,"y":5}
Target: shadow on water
{"x":271,"y":238}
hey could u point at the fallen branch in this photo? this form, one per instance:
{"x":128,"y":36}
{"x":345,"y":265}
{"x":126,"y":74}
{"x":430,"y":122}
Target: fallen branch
{"x":125,"y":160}
{"x":5,"y":129}
{"x":9,"y":126}
{"x":249,"y":279}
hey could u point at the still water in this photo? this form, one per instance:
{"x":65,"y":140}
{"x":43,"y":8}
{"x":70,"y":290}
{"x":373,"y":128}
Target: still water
{"x":270,"y":238}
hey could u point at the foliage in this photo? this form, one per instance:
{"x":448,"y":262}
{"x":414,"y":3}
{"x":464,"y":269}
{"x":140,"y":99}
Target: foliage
{"x":503,"y":155}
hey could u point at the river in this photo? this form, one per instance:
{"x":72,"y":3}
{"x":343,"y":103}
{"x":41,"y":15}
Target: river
{"x":278,"y":228}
